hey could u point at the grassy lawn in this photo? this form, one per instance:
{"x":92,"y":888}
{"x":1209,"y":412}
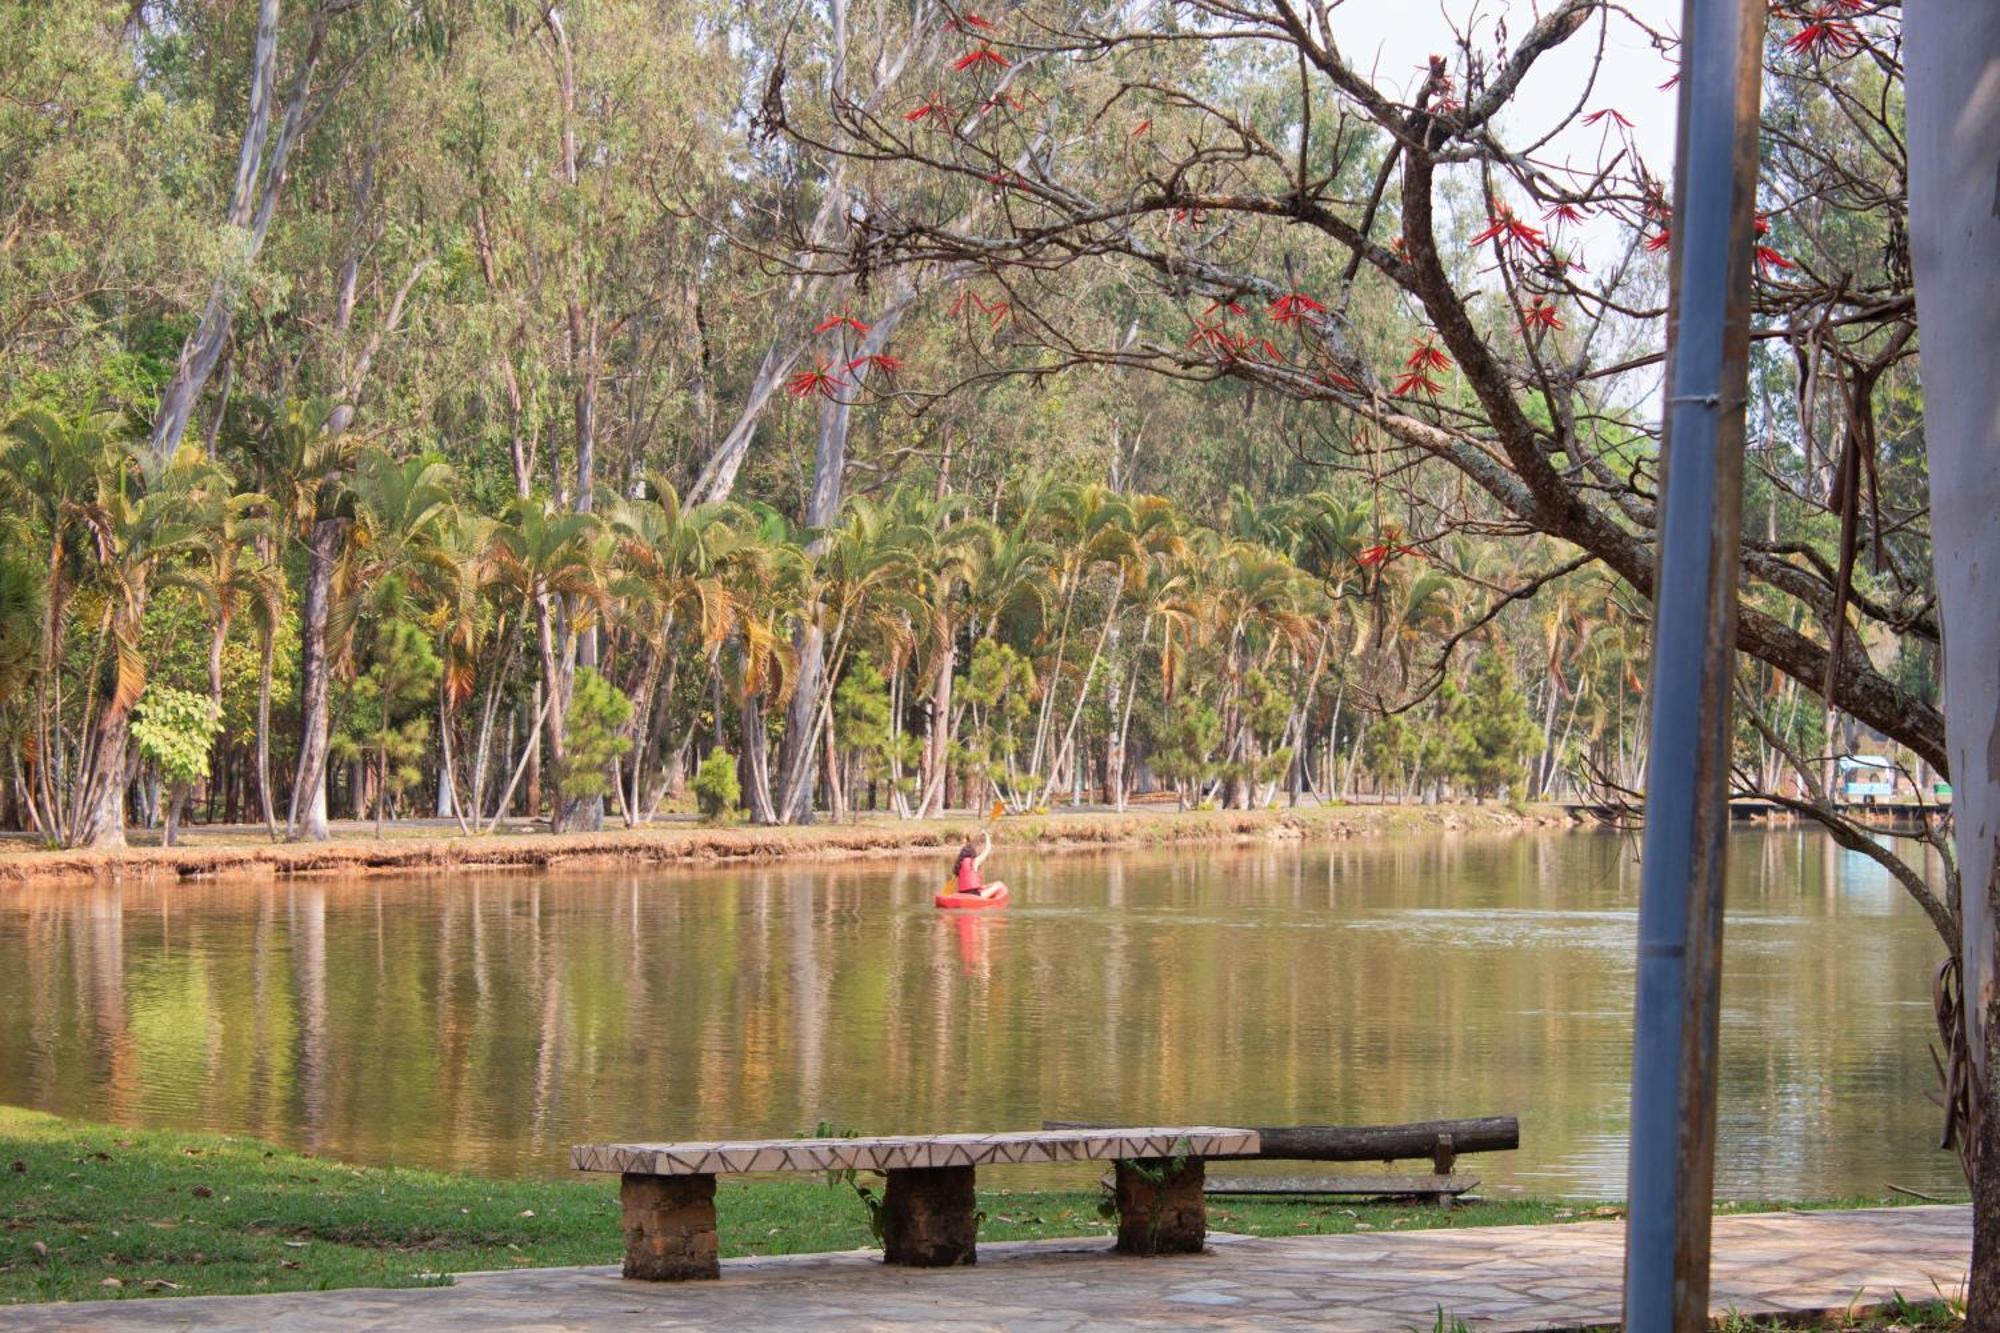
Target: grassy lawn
{"x":93,"y":1211}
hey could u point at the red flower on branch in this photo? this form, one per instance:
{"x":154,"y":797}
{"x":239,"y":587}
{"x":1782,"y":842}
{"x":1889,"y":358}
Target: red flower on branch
{"x":1559,"y":214}
{"x":1416,"y":381}
{"x":968,"y":22}
{"x":820,"y":381}
{"x":1769,"y":258}
{"x":1293,"y":307}
{"x":1387,"y":549}
{"x":1008,"y":100}
{"x":1824,"y":36}
{"x":1214,"y":336}
{"x":997,"y":310}
{"x":1596,"y":116}
{"x":1428,"y":356}
{"x":981,"y":55}
{"x":1540,"y":314}
{"x":1660,"y":240}
{"x":1007,"y":180}
{"x":1371,"y":556}
{"x":1508,"y":230}
{"x":881,"y":361}
{"x":1763,"y":224}
{"x":837,"y":321}
{"x":1140,"y":129}
{"x":1194,"y":217}
{"x":935,"y":109}
{"x":1226,"y":306}
{"x":1673,"y":80}
{"x":1333,"y":379}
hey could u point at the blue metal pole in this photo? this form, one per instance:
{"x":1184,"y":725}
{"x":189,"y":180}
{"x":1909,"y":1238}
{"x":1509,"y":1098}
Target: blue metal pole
{"x":1694,"y":630}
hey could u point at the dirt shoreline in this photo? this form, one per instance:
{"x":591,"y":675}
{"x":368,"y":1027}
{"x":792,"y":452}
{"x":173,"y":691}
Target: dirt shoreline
{"x":697,"y":845}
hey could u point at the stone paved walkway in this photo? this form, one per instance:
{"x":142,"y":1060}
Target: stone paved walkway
{"x":1491,"y":1277}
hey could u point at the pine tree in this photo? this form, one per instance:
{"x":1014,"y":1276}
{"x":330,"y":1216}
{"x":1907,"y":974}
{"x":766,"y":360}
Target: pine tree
{"x":1491,"y":731}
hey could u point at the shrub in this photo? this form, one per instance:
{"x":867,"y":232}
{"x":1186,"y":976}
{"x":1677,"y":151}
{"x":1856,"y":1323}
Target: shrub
{"x":716,"y":790}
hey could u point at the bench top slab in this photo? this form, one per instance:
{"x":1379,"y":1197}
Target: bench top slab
{"x":902,"y":1152}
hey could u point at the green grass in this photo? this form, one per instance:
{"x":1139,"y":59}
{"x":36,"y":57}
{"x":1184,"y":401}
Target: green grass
{"x":93,"y":1211}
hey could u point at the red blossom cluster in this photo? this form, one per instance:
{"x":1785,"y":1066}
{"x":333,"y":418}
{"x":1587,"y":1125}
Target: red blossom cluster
{"x":994,"y":310}
{"x":1540,"y":314}
{"x":1560,"y":214}
{"x":933,"y":109}
{"x":981,"y":55}
{"x":1509,"y":230}
{"x":1386,"y":550}
{"x":841,"y":320}
{"x":881,"y":361}
{"x":1417,"y":368}
{"x":1233,"y":346}
{"x":1824,"y":35}
{"x":822,"y":381}
{"x":1612,"y":112}
{"x":1293,"y":307}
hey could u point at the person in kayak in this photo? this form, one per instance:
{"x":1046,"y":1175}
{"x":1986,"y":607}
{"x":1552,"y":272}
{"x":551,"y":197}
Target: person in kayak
{"x":970,"y":859}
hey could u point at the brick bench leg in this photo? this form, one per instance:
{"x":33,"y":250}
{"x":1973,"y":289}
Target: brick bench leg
{"x":929,"y":1217}
{"x":669,"y":1227}
{"x":1161,"y":1209}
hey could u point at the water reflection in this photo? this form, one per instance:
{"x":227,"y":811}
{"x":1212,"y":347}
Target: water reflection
{"x":486,"y":1022}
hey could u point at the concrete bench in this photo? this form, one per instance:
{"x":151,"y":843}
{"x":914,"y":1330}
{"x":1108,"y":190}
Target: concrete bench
{"x":928,"y":1212}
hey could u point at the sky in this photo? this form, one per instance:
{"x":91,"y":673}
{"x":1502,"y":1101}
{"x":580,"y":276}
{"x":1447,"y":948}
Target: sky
{"x":1397,"y":36}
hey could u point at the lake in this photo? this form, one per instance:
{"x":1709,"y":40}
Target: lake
{"x":485,"y":1022}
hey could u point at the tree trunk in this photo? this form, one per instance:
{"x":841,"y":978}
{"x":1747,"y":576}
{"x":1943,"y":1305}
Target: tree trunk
{"x":101,"y":804}
{"x":757,"y":762}
{"x":937,"y":737}
{"x":1952,"y":48}
{"x":259,"y":179}
{"x":306,"y":821}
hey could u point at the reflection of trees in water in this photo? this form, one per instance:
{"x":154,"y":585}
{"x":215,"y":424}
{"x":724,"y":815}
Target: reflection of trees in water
{"x":489,"y":1022}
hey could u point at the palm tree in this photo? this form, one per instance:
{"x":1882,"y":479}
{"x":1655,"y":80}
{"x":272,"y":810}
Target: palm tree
{"x":1090,"y":529}
{"x":667,"y":579}
{"x":50,"y":468}
{"x":460,"y":614}
{"x":768,"y":573}
{"x":552,"y":558}
{"x":298,"y":457}
{"x":227,"y":575}
{"x":143,"y":519}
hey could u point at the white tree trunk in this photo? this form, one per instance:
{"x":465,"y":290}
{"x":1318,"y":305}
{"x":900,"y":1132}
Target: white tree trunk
{"x":1952,"y":49}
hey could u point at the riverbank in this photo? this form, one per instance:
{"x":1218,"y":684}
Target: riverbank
{"x":93,"y":1211}
{"x":242,"y":851}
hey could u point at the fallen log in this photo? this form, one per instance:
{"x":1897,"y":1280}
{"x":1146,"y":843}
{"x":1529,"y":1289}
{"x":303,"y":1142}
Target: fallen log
{"x":1411,"y":1186}
{"x":1439,"y":1140}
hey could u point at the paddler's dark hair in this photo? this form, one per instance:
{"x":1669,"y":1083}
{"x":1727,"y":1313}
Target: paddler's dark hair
{"x":966,"y":851}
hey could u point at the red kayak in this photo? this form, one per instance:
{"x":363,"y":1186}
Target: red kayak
{"x":951,"y":897}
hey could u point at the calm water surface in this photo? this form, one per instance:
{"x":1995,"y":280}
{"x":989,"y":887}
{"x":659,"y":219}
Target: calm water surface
{"x":487,"y":1022}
